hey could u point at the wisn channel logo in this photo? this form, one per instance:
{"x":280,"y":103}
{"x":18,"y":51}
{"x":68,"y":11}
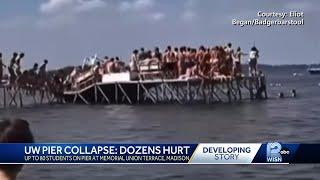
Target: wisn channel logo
{"x":275,"y":152}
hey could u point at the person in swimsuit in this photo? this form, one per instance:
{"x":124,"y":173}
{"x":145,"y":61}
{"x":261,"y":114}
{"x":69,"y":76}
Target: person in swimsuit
{"x":43,"y":69}
{"x":229,"y":58}
{"x":170,"y":62}
{"x":18,"y":64}
{"x":11,"y":68}
{"x":181,"y":61}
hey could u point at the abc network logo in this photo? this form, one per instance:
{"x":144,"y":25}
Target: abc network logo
{"x":275,"y":152}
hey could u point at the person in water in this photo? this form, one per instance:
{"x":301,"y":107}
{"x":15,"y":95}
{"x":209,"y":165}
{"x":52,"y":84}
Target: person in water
{"x":13,"y":131}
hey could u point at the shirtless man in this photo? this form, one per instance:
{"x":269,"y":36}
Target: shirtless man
{"x":214,"y":61}
{"x":205,"y":64}
{"x":111,"y":66}
{"x":34,"y":70}
{"x":200,"y":54}
{"x":229,"y":58}
{"x":156,"y":57}
{"x":170,"y":62}
{"x":181,"y":61}
{"x":18,"y":64}
{"x":104,"y":65}
{"x":43,"y":69}
{"x":117,"y":64}
{"x":142,"y":55}
{"x":157,"y":54}
{"x":169,"y":56}
{"x":11,"y":68}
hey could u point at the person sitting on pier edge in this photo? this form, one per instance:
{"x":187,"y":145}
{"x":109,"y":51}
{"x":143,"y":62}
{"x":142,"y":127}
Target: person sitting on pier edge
{"x":11,"y":68}
{"x":253,"y":61}
{"x":13,"y":131}
{"x":1,"y":68}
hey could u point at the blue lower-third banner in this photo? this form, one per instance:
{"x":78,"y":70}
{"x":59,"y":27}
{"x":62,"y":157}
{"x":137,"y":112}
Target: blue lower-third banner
{"x":202,"y":153}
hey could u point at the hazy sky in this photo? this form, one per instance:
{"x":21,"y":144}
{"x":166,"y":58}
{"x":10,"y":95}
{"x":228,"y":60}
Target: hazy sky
{"x":66,"y":31}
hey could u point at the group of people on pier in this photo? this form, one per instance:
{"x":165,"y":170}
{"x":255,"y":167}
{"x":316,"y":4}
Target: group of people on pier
{"x":181,"y":62}
{"x":15,"y":70}
{"x":174,"y":62}
{"x":204,"y":62}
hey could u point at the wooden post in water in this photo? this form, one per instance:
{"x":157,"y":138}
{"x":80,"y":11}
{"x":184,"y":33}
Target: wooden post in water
{"x":251,"y":88}
{"x":20,"y":98}
{"x":95,"y":93}
{"x":4,"y":97}
{"x":116,"y":92}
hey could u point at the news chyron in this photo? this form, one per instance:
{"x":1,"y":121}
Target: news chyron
{"x":202,"y":153}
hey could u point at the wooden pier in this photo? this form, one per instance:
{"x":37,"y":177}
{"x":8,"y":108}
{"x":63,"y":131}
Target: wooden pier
{"x":15,"y":96}
{"x":178,"y":91}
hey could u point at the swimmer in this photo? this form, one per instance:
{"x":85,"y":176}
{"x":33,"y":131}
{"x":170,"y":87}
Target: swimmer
{"x":16,"y":131}
{"x":293,"y":93}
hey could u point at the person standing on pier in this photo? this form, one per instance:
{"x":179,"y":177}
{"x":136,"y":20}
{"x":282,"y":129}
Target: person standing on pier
{"x":237,"y":62}
{"x":18,"y":64}
{"x":11,"y":68}
{"x":43,"y":69}
{"x":134,"y":61}
{"x":142,"y":54}
{"x":229,"y":58}
{"x":253,"y":61}
{"x":181,"y":61}
{"x":34,"y":70}
{"x":1,"y":68}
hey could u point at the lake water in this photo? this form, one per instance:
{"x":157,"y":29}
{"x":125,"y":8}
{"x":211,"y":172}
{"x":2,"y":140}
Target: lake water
{"x":292,"y":120}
